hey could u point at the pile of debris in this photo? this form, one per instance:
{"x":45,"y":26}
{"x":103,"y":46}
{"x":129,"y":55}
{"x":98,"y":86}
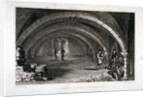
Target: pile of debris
{"x":33,"y":73}
{"x":22,"y":76}
{"x":28,"y":72}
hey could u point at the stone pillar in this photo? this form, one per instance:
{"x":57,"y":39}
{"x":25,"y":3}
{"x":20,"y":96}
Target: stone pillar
{"x":124,"y":54}
{"x":106,"y":55}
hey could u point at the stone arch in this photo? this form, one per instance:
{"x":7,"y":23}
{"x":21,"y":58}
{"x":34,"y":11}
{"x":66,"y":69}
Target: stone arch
{"x":44,"y":38}
{"x":72,"y":28}
{"x":81,"y":42}
{"x":35,"y":48}
{"x":56,"y":42}
{"x":80,"y":15}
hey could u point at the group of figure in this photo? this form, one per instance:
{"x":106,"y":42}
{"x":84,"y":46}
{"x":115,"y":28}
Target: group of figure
{"x":116,"y":68}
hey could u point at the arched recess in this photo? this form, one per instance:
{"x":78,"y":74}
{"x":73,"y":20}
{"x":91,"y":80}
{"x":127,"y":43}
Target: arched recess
{"x":35,"y":49}
{"x":77,"y":28}
{"x":81,"y":15}
{"x":38,"y":44}
{"x":81,"y":42}
{"x":73,"y":35}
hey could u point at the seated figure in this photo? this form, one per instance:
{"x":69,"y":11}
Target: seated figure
{"x":41,"y":72}
{"x":117,"y":71}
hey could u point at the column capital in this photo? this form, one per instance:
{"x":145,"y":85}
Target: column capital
{"x":124,"y":54}
{"x":105,"y":53}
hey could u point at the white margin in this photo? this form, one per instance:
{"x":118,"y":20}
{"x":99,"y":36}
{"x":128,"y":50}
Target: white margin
{"x":9,"y":53}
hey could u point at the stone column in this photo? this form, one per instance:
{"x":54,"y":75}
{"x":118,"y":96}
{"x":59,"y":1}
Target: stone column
{"x":124,"y":54}
{"x":106,"y":55}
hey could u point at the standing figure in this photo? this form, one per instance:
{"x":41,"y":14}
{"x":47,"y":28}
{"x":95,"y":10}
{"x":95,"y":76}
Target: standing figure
{"x":114,"y":56}
{"x":62,"y":53}
{"x":110,"y":66}
{"x":99,"y":58}
{"x":59,"y":55}
{"x":20,"y":56}
{"x":55,"y":54}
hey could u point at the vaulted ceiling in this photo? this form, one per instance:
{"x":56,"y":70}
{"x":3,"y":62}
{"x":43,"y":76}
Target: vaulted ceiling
{"x":36,"y":26}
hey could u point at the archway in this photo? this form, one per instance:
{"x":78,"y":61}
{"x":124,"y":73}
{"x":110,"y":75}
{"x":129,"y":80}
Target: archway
{"x":37,"y":45}
{"x":68,"y":28}
{"x":80,"y":15}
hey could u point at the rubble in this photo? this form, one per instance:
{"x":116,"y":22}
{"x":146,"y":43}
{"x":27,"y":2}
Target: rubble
{"x":38,"y":74}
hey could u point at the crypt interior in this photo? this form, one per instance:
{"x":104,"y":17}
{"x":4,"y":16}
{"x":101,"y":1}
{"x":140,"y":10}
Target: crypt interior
{"x":42,"y":33}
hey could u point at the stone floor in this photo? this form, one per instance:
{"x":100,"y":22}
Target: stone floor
{"x":73,"y":71}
